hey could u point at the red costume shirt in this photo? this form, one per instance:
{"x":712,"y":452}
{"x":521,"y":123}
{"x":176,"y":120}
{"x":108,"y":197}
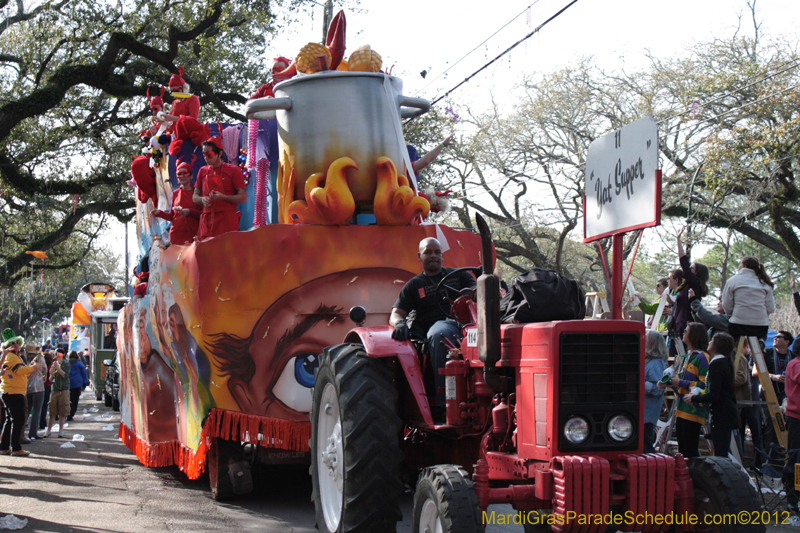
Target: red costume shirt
{"x":264,"y":90}
{"x":220,"y":216}
{"x":187,"y":106}
{"x":183,"y":228}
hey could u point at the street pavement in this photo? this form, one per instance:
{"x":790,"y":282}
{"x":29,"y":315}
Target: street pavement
{"x":99,"y":486}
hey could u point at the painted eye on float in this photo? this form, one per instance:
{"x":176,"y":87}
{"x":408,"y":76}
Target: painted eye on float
{"x":293,"y":387}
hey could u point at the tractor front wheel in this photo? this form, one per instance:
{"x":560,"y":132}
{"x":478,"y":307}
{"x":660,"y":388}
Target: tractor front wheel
{"x":722,"y":489}
{"x":445,"y":502}
{"x":355,"y":443}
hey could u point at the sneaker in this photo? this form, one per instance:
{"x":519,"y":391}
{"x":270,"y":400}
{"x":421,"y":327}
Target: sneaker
{"x":5,"y":452}
{"x":25,"y":440}
{"x":21,"y":453}
{"x":61,"y":435}
{"x":69,"y":419}
{"x":47,"y":434}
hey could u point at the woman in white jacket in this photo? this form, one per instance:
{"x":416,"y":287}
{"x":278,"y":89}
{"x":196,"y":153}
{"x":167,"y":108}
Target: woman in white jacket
{"x":748,"y":300}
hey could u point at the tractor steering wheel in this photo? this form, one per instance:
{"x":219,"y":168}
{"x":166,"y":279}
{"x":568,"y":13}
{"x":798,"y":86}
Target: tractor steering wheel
{"x":441,"y":287}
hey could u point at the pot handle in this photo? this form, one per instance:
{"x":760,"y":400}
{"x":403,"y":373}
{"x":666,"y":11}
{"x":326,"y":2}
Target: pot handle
{"x":413,"y":107}
{"x":264,"y":108}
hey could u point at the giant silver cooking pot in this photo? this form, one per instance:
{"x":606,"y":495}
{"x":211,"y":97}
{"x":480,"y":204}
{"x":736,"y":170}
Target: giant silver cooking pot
{"x":323,"y":117}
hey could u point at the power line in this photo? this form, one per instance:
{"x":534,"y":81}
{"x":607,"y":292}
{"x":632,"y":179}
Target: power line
{"x":473,"y":50}
{"x":484,"y":67}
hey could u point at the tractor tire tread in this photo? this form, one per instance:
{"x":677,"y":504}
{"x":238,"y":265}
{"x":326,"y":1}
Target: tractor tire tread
{"x":458,"y":503}
{"x":371,"y":435}
{"x":728,"y":487}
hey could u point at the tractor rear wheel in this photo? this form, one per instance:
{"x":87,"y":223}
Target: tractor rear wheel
{"x":355,"y":443}
{"x":445,"y":502}
{"x":721,"y":488}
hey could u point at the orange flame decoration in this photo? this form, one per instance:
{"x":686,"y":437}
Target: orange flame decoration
{"x":285,"y":190}
{"x":329,"y":202}
{"x":396,"y":204}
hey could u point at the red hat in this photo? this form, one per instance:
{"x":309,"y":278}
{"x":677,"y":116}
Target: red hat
{"x":185,"y":165}
{"x":283,"y":60}
{"x":176,"y":80}
{"x":216,"y":140}
{"x":156,"y":100}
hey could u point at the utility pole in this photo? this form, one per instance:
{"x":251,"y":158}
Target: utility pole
{"x":327,"y":16}
{"x":127,"y":262}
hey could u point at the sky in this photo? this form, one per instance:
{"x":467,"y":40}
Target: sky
{"x":451,"y":39}
{"x":434,"y":35}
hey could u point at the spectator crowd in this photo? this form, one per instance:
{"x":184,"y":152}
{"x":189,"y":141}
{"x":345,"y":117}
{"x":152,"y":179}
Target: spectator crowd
{"x":36,"y":381}
{"x":717,"y":383}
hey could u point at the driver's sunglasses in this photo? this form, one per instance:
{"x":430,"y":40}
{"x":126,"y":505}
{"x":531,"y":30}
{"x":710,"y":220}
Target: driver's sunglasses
{"x":209,"y":153}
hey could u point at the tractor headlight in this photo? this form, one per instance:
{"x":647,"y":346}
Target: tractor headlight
{"x":576,"y":430}
{"x":620,"y":428}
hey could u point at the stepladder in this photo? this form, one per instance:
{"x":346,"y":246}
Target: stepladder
{"x":773,"y":407}
{"x":666,"y":428}
{"x":596,"y":305}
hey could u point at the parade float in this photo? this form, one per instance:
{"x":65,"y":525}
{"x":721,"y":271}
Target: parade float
{"x":218,"y":355}
{"x":93,"y":328}
{"x":236,"y":341}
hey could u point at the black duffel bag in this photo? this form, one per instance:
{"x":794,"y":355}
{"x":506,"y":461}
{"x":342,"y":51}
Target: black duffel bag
{"x":542,"y":295}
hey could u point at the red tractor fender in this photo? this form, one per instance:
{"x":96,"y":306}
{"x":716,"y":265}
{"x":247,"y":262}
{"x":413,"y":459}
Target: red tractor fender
{"x":379,"y":344}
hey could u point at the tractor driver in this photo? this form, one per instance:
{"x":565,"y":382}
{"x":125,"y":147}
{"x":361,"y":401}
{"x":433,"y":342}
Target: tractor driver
{"x":417,"y":315}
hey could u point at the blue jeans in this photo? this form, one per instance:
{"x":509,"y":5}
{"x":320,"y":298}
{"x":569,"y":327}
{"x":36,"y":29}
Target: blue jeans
{"x":45,"y":403}
{"x":35,"y":402}
{"x":438,"y":335}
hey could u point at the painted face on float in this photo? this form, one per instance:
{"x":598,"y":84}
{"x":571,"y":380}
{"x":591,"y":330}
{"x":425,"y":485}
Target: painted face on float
{"x":144,"y":341}
{"x":271,"y":372}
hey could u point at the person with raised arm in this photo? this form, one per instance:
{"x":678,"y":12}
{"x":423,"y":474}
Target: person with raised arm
{"x":14,"y":386}
{"x":695,"y":277}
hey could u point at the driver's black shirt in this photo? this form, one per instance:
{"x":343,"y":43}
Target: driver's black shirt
{"x":416,"y":299}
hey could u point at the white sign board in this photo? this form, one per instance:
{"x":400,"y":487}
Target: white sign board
{"x":623,"y":182}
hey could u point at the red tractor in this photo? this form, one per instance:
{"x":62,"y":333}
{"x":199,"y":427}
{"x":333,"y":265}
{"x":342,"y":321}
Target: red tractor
{"x":546,"y":417}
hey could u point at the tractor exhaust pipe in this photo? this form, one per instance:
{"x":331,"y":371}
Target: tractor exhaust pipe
{"x":489,"y":313}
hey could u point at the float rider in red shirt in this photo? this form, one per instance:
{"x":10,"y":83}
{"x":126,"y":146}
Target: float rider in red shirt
{"x":219,"y":188}
{"x":184,"y":113}
{"x":185,"y":214}
{"x":279,"y":74}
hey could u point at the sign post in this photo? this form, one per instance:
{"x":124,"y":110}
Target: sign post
{"x":622,"y":191}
